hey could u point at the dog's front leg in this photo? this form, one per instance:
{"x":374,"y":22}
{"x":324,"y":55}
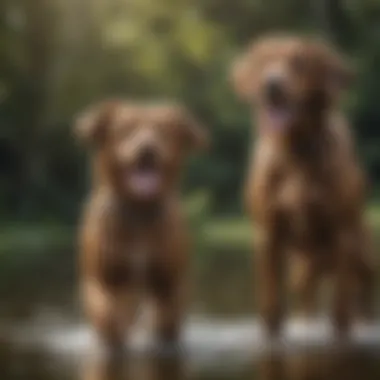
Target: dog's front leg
{"x":365,"y":268}
{"x":305,"y":273}
{"x":366,"y":284}
{"x":169,"y":294}
{"x":270,"y":281}
{"x":344,"y":289}
{"x":110,"y":311}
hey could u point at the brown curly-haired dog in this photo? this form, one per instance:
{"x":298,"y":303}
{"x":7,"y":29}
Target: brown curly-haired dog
{"x":133,"y":235}
{"x":305,"y":188}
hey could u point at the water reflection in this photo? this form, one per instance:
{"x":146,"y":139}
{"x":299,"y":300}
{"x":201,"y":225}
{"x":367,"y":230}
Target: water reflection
{"x":311,"y":364}
{"x":271,"y":367}
{"x":45,"y":319}
{"x":149,"y":367}
{"x":343,"y":364}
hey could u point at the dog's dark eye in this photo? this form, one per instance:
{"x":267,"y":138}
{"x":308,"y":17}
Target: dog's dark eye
{"x":124,"y":131}
{"x":163,"y":131}
{"x":298,"y":64}
{"x":168,"y":131}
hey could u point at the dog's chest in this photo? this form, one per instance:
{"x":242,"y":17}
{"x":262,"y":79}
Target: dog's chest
{"x":138,"y":258}
{"x":129,"y":266}
{"x":297,"y":192}
{"x":307,"y":207}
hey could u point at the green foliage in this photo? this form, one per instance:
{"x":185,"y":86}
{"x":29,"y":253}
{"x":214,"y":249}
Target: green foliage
{"x":57,"y":56}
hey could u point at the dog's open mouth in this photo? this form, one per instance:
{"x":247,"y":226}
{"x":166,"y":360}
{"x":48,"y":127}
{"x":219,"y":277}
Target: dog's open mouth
{"x":279,"y":116}
{"x":144,"y":183}
{"x":144,"y":179}
{"x":278,"y":106}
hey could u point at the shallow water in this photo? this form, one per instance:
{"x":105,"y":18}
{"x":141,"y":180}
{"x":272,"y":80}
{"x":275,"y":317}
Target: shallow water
{"x":42,"y":336}
{"x":67,"y":354}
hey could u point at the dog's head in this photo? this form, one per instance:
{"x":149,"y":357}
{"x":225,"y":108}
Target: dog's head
{"x":287,"y":76}
{"x":139,"y":148}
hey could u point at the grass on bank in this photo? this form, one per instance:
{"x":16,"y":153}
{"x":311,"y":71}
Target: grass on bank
{"x":234,"y":232}
{"x":238,"y":231}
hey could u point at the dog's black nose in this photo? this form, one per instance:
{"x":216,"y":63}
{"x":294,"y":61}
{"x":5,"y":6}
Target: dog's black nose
{"x":275,"y":90}
{"x":148,"y":157}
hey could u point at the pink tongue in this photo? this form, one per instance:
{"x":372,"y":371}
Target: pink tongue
{"x":279,"y":118}
{"x":144,"y":183}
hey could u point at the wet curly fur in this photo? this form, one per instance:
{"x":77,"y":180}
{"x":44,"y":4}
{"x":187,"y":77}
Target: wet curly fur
{"x":129,"y":239}
{"x":305,"y":189}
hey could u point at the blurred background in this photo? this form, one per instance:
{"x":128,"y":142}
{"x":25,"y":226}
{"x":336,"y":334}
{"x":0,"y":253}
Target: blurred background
{"x":58,"y":56}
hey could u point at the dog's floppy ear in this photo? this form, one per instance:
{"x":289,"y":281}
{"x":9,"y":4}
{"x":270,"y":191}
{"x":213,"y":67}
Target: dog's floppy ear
{"x":246,"y":69}
{"x":341,"y":75}
{"x":196,"y":137}
{"x":242,"y":77}
{"x":90,"y":126}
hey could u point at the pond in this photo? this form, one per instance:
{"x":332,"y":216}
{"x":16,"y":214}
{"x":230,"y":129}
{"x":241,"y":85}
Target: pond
{"x":43,"y":336}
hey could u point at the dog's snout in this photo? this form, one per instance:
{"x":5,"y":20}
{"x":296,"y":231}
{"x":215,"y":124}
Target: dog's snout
{"x":275,"y":89}
{"x":148,"y":156}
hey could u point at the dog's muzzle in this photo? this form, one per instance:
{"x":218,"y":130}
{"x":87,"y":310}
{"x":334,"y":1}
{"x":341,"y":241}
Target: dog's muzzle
{"x":144,"y":178}
{"x":275,"y":92}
